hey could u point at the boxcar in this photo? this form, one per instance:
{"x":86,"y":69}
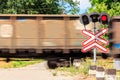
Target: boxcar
{"x":40,"y":33}
{"x":115,"y":36}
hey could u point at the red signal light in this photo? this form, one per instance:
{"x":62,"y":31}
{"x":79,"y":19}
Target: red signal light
{"x":104,"y":17}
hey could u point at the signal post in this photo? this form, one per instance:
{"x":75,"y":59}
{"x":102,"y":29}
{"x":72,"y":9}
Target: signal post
{"x":95,"y":39}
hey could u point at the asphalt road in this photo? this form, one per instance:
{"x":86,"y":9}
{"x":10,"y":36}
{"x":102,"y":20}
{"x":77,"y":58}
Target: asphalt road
{"x":32,"y":72}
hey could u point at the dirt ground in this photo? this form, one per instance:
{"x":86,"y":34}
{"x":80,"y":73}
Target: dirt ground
{"x":37,"y":71}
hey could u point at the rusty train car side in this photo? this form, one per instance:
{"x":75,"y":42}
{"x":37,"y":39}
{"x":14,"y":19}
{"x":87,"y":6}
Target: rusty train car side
{"x":40,"y":33}
{"x":115,"y":36}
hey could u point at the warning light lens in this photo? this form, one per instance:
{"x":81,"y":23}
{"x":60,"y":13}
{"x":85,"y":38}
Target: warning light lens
{"x":85,"y":19}
{"x":104,"y":18}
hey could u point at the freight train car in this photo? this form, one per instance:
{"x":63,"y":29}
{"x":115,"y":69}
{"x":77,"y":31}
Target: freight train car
{"x":115,"y":36}
{"x":40,"y":34}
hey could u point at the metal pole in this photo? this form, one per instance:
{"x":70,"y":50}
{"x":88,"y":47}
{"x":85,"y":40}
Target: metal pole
{"x":95,"y":50}
{"x":85,"y":27}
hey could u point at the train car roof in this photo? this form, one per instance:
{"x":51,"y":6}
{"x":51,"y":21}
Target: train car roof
{"x":116,"y":17}
{"x":41,"y":15}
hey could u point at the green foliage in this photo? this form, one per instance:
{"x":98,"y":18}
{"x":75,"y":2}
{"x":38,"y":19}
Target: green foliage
{"x":34,"y":6}
{"x":17,"y":64}
{"x":21,"y":63}
{"x":112,"y":7}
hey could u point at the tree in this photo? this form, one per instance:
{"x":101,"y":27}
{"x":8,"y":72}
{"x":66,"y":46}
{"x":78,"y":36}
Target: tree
{"x":112,"y":7}
{"x":36,"y":6}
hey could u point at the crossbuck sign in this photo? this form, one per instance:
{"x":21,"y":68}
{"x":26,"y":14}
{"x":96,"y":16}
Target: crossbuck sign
{"x":94,"y":40}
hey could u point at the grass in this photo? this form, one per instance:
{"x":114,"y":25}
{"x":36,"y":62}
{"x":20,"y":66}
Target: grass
{"x":54,"y":73}
{"x":17,"y":63}
{"x":105,"y":63}
{"x":83,"y":69}
{"x":84,"y":66}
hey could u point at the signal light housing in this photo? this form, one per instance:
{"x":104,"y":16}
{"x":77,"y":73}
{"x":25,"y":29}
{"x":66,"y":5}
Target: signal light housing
{"x":94,"y":17}
{"x":84,"y":19}
{"x":104,"y":18}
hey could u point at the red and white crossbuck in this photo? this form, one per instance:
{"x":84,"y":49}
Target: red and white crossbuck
{"x":94,"y":40}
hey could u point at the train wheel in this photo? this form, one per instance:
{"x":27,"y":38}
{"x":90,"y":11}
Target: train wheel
{"x":105,"y":56}
{"x":52,"y":64}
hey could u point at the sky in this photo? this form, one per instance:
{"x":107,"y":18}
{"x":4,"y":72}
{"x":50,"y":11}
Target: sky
{"x":84,"y":5}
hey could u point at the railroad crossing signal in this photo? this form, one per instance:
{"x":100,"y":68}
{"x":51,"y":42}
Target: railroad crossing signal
{"x":104,"y":18}
{"x":94,"y":40}
{"x":94,"y":17}
{"x":84,"y":19}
